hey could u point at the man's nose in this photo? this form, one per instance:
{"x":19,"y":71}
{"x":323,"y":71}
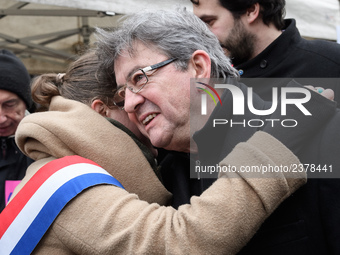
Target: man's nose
{"x":3,"y":116}
{"x":132,"y":101}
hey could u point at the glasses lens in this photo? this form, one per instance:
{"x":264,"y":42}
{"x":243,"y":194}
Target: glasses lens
{"x":138,"y":80}
{"x":120,"y":104}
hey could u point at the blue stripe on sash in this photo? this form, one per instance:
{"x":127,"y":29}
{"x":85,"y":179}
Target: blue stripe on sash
{"x":54,"y":206}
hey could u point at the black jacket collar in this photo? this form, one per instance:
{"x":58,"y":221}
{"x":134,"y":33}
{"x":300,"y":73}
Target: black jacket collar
{"x":268,"y":58}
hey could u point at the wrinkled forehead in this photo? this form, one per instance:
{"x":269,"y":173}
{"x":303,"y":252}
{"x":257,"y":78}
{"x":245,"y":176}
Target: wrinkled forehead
{"x":131,"y":59}
{"x":136,"y":48}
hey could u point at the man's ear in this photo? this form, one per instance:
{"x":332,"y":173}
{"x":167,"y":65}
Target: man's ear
{"x":99,"y":107}
{"x":253,"y":13}
{"x":201,"y":64}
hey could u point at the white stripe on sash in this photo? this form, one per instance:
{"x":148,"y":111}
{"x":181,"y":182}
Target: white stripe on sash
{"x":38,"y":200}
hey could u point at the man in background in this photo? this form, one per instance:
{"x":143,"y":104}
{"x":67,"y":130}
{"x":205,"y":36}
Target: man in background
{"x":261,"y":43}
{"x":15,"y":99}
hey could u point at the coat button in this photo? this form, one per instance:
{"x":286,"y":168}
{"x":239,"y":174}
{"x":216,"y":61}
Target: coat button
{"x":263,"y":63}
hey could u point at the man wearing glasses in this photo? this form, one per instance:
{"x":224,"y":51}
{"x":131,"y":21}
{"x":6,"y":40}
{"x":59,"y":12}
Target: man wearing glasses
{"x":154,"y":56}
{"x":137,"y":80}
{"x":163,"y":119}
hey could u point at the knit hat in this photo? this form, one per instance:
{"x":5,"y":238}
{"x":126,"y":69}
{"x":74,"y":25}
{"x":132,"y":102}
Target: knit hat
{"x":14,"y":76}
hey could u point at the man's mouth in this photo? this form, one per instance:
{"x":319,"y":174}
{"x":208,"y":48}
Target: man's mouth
{"x":148,"y":119}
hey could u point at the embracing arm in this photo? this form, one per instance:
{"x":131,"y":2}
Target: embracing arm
{"x":106,"y":219}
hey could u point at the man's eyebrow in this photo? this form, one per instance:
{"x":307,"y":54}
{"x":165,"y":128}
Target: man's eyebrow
{"x":12,"y":100}
{"x":207,"y":16}
{"x":133,"y":70}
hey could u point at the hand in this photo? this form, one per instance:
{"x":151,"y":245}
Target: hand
{"x":327,"y":93}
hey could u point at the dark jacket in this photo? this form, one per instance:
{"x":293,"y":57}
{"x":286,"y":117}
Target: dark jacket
{"x":13,"y":165}
{"x":292,"y":56}
{"x":307,"y":222}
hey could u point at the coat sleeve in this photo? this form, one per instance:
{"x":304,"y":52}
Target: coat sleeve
{"x":108,"y":220}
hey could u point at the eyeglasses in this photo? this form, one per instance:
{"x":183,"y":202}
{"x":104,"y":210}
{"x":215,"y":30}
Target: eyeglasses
{"x":137,"y":81}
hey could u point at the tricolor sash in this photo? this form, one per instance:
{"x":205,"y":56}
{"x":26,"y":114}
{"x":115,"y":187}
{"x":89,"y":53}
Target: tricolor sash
{"x":28,"y":216}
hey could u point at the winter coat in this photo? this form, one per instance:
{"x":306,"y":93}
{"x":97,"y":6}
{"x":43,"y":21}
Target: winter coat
{"x":106,"y":219}
{"x":13,"y":165}
{"x":290,"y":55}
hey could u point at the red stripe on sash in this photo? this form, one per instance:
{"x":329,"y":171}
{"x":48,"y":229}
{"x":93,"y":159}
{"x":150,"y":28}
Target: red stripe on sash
{"x":12,"y":210}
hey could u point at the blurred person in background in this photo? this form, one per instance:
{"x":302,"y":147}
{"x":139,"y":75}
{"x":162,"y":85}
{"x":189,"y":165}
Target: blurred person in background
{"x":261,"y":43}
{"x":15,"y":99}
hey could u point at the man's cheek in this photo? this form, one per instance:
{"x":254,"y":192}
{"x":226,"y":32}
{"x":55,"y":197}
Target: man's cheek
{"x":133,"y":118}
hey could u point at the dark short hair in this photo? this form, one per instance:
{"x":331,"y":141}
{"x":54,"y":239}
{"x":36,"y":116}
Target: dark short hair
{"x":272,"y":11}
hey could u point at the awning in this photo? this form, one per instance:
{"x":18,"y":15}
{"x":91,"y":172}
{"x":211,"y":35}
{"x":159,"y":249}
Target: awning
{"x":47,"y":34}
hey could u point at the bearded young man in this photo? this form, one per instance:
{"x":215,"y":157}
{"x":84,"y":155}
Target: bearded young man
{"x":261,"y":43}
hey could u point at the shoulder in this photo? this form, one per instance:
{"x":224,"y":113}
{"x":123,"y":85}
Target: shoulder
{"x":309,"y":49}
{"x":322,"y":49}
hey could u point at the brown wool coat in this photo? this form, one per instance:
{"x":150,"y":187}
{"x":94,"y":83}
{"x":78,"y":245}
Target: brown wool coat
{"x":109,"y":220}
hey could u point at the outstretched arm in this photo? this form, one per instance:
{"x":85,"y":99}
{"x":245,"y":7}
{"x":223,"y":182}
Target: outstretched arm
{"x":107,"y":219}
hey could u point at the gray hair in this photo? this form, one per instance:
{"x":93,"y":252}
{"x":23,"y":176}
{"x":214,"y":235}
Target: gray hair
{"x":175,"y":33}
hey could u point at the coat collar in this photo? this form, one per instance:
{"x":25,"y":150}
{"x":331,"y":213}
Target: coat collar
{"x":273,"y":54}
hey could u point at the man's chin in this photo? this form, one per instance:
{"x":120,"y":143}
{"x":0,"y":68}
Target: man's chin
{"x":159,"y":143}
{"x":4,"y":132}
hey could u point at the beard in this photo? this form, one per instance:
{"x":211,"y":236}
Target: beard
{"x":239,"y":45}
